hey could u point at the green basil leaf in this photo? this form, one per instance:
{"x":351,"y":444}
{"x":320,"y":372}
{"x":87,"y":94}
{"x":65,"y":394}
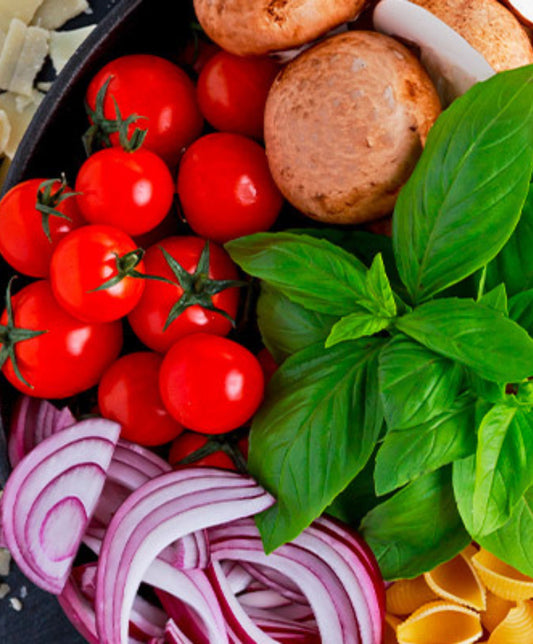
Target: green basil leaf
{"x":521,"y":309}
{"x":464,"y":198}
{"x":409,"y":453}
{"x":357,"y":499}
{"x":416,"y":529}
{"x":496,"y":299}
{"x":311,"y":272}
{"x":492,"y":345}
{"x":464,"y":480}
{"x":379,"y":293}
{"x":415,"y":382}
{"x":314,"y":433}
{"x":355,"y":326}
{"x":504,"y":466}
{"x":514,"y":264}
{"x":493,"y":392}
{"x":287,"y":327}
{"x":512,"y":542}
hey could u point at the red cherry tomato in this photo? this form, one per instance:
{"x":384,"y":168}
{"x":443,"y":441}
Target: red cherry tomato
{"x":196,"y":53}
{"x":23,"y":240}
{"x":232,"y":92}
{"x":226,"y":189}
{"x":129,"y":394}
{"x":158,"y":90}
{"x":149,"y":317}
{"x":210,"y":384}
{"x":188,"y":443}
{"x":132,"y":191}
{"x":69,"y":357}
{"x":86,"y":260}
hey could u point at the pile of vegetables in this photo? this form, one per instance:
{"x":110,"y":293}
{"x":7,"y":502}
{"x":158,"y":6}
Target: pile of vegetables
{"x":371,"y":384}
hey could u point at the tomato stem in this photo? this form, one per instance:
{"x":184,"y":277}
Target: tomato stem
{"x":48,"y":199}
{"x":227,"y":443}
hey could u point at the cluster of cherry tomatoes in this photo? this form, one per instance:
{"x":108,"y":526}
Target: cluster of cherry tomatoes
{"x":106,"y":256}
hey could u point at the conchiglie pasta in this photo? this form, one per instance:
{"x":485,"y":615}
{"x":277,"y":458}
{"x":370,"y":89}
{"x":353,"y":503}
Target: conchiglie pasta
{"x":516,"y":628}
{"x":406,"y":595}
{"x":501,"y":579}
{"x":457,"y":581}
{"x":441,"y":622}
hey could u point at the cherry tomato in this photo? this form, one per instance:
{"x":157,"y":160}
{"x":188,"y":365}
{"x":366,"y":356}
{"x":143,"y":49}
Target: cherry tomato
{"x":87,"y":260}
{"x":268,"y":364}
{"x":188,"y":443}
{"x":132,"y":191}
{"x":210,"y":384}
{"x":158,"y":90}
{"x":226,"y":189}
{"x":196,"y":53}
{"x":23,"y":241}
{"x":69,"y":356}
{"x":149,"y":317}
{"x":129,"y":394}
{"x":232,"y":92}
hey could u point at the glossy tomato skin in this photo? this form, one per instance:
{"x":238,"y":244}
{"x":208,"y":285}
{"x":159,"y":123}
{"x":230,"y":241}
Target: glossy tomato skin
{"x":210,"y":384}
{"x":158,"y":90}
{"x":188,"y":443}
{"x":128,"y":393}
{"x":232,"y":92}
{"x":69,"y":357}
{"x":82,"y":262}
{"x":132,"y":191}
{"x":226,"y":189}
{"x":23,"y":242}
{"x":148,"y":318}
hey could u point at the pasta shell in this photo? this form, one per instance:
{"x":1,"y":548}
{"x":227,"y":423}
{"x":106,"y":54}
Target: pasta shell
{"x":500,"y":578}
{"x":496,"y":611}
{"x":516,"y":628}
{"x":406,"y":595}
{"x":440,"y":622}
{"x":391,"y":624}
{"x":457,"y":580}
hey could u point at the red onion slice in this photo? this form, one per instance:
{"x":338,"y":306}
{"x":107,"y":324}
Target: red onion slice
{"x":79,"y":611}
{"x":34,"y":420}
{"x":160,"y":512}
{"x":173,"y":635}
{"x":50,"y":496}
{"x":192,"y":551}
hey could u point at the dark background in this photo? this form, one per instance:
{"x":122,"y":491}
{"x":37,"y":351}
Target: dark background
{"x":53,"y":144}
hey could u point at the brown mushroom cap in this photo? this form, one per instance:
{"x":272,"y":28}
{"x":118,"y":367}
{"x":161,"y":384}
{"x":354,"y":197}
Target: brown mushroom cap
{"x":253,"y":27}
{"x":345,"y":123}
{"x":489,"y":27}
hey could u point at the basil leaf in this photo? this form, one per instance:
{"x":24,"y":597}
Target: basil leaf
{"x":464,"y":198}
{"x":512,"y":542}
{"x":496,"y":299}
{"x":514,"y":264}
{"x":380,"y":298}
{"x":314,"y":433}
{"x":416,"y":529}
{"x":355,"y":326}
{"x":493,"y":346}
{"x":504,"y":466}
{"x":464,"y":479}
{"x":409,"y":453}
{"x":309,"y":271}
{"x":493,"y":392}
{"x":521,"y":309}
{"x":287,"y":327}
{"x":415,"y":383}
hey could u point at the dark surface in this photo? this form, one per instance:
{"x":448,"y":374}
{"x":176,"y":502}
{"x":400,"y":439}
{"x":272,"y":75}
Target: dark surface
{"x":53,"y":145}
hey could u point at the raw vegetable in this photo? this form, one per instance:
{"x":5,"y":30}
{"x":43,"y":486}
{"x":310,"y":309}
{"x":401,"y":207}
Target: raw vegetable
{"x":470,"y":360}
{"x":231,"y":171}
{"x":167,"y":102}
{"x":34,"y":216}
{"x":210,"y":384}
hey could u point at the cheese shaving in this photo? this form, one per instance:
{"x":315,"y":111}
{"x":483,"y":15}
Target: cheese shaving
{"x":11,"y":51}
{"x":18,"y":120}
{"x":64,"y":43}
{"x":23,"y":10}
{"x":55,"y":13}
{"x":31,"y":60}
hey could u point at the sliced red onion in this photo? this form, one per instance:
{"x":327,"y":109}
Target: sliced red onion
{"x":34,"y":420}
{"x":192,"y":551}
{"x":79,"y":611}
{"x":280,"y":582}
{"x":174,"y":635}
{"x":50,"y":497}
{"x":154,"y":516}
{"x":238,"y":577}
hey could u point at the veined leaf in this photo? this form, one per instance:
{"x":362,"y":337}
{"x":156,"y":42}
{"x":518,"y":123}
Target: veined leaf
{"x":409,"y":453}
{"x":504,"y":466}
{"x":355,"y":326}
{"x":496,"y":299}
{"x":287,"y":327}
{"x":314,"y":433}
{"x":477,"y":336}
{"x":417,"y":528}
{"x":415,"y":382}
{"x":521,"y":308}
{"x":464,"y":198}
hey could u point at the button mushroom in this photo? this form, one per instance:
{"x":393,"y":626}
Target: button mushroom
{"x":253,"y":27}
{"x":345,"y":123}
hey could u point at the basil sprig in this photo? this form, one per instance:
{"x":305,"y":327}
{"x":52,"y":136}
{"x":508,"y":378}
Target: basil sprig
{"x":404,"y":386}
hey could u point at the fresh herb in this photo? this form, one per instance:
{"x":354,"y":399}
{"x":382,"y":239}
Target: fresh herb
{"x":406,"y":382}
